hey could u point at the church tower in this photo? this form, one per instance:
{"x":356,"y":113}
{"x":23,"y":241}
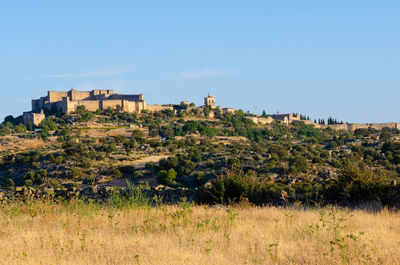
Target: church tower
{"x":209,"y":101}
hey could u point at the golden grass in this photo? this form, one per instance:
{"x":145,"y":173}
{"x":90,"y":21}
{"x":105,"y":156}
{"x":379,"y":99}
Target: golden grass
{"x":49,"y":233}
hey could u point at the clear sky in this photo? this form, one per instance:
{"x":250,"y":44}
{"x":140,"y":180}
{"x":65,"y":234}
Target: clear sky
{"x":320,"y":58}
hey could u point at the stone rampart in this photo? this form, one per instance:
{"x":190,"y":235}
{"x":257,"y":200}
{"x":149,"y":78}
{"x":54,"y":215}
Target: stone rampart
{"x":355,"y":126}
{"x":228,"y":110}
{"x":67,"y":102}
{"x":91,"y":105}
{"x":111,"y":104}
{"x":262,"y":120}
{"x":54,"y":96}
{"x":155,"y":108}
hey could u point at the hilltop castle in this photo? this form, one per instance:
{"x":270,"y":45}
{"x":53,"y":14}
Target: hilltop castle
{"x":68,"y":102}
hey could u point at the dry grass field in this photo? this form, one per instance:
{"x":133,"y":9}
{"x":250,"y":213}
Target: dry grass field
{"x":78,"y":233}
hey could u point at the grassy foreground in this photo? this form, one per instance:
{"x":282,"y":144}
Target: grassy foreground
{"x":78,"y":233}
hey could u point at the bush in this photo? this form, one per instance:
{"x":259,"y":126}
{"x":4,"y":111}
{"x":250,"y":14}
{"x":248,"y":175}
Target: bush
{"x":10,"y":183}
{"x":234,"y":187}
{"x":4,"y":130}
{"x":186,"y":167}
{"x":28,"y":182}
{"x":167,"y":177}
{"x":74,"y":173}
{"x":137,"y":174}
{"x":149,"y":165}
{"x":85,"y":115}
{"x":298,"y":164}
{"x":20,"y":128}
{"x":116,"y":173}
{"x":199,"y":176}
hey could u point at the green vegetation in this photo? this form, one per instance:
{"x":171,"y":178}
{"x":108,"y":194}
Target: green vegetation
{"x":226,"y":159}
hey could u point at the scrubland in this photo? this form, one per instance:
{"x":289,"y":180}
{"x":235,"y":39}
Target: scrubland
{"x":88,"y":233}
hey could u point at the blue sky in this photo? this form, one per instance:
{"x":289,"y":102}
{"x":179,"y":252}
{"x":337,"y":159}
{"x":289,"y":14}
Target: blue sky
{"x":319,"y":58}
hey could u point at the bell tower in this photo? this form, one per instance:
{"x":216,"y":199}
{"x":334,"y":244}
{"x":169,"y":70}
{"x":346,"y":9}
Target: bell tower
{"x":209,"y":101}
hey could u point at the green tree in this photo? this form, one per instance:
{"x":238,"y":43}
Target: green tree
{"x":20,"y":128}
{"x":167,"y":177}
{"x":4,"y":130}
{"x":207,"y":110}
{"x":85,"y":115}
{"x":9,"y":118}
{"x":298,"y":164}
{"x":167,"y":132}
{"x":264,"y":114}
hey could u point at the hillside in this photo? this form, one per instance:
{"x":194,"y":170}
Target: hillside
{"x":223,"y":159}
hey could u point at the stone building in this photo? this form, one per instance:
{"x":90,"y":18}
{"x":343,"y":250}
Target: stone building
{"x":67,"y":102}
{"x":209,"y":101}
{"x":286,"y":118}
{"x":33,"y":119}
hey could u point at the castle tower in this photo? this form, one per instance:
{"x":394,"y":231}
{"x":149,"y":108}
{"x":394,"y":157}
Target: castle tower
{"x":209,"y":101}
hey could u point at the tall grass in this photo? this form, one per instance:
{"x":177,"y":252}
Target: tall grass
{"x":132,"y":196}
{"x":134,"y":232}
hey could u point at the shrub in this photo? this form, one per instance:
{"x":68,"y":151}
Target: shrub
{"x":74,"y":173}
{"x":28,"y":182}
{"x":167,"y":177}
{"x":137,"y":174}
{"x":116,"y":173}
{"x":234,"y":187}
{"x":149,"y":165}
{"x":298,"y":164}
{"x":4,"y":130}
{"x":10,"y":183}
{"x":20,"y":128}
{"x":186,"y":167}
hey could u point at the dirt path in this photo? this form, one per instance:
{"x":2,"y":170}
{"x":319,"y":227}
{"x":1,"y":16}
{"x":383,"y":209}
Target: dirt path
{"x":139,"y":164}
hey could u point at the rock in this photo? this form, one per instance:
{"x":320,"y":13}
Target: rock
{"x":218,"y":207}
{"x":208,"y":185}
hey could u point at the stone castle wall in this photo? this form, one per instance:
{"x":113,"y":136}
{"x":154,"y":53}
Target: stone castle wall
{"x":262,"y":120}
{"x":105,"y":104}
{"x":54,"y":96}
{"x":228,"y":110}
{"x":33,"y":119}
{"x":355,"y":126}
{"x":67,"y":102}
{"x":90,"y":105}
{"x":155,"y":108}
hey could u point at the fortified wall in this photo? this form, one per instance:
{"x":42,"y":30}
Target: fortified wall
{"x":67,"y":102}
{"x":355,"y":126}
{"x":290,"y":118}
{"x":284,"y":118}
{"x":262,"y":120}
{"x":33,"y":119}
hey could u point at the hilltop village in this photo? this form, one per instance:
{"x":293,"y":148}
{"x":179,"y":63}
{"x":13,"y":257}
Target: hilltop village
{"x":99,"y":100}
{"x":87,"y":144}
